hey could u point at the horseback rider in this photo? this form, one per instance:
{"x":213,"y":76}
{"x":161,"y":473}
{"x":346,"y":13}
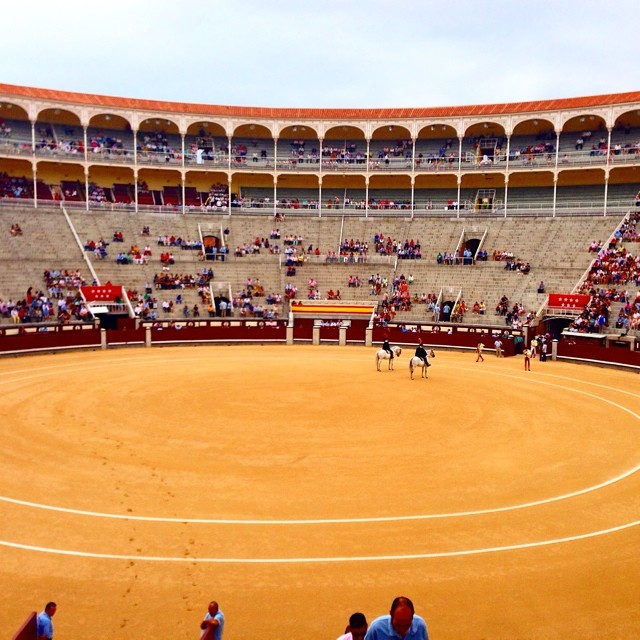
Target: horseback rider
{"x":421,"y":351}
{"x":387,"y":347}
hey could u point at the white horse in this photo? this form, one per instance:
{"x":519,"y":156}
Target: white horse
{"x":381,"y":354}
{"x":416,"y":363}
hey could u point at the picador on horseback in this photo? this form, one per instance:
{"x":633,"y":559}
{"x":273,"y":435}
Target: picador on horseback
{"x":421,"y":352}
{"x":387,"y":347}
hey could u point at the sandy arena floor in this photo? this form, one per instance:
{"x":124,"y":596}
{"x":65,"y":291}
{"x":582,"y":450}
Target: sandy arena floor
{"x":296,"y":485}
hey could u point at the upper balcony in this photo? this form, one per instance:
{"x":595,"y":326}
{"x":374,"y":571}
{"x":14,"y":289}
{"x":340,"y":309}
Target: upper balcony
{"x":600,"y":132}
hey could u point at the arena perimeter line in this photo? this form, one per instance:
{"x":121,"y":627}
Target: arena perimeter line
{"x":409,"y":556}
{"x":372,"y":519}
{"x":337,"y":521}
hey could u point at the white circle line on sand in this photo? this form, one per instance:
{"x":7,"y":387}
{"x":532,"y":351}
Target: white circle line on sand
{"x":372,"y":519}
{"x":396,"y":557}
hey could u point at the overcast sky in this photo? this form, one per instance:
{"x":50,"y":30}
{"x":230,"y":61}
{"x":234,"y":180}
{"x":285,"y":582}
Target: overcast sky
{"x":324,"y":53}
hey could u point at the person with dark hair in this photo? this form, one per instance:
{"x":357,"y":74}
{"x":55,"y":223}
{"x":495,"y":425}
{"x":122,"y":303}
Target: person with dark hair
{"x":401,"y":622}
{"x":214,"y":618}
{"x":387,"y":347}
{"x":44,"y":624}
{"x":357,"y":627}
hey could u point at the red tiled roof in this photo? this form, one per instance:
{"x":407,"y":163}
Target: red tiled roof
{"x":586,"y":102}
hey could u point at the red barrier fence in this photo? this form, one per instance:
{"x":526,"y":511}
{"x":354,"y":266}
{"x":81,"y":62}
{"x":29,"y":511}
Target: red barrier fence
{"x":22,"y":339}
{"x":28,"y":630}
{"x":35,"y":338}
{"x":455,"y":336}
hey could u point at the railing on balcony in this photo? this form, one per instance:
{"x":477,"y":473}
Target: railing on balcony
{"x":432,"y":163}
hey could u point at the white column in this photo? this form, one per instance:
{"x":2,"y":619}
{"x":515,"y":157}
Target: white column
{"x":606,"y":171}
{"x":86,"y":186}
{"x":275,"y":175}
{"x":35,"y":187}
{"x":413,"y":205}
{"x":413,"y":176}
{"x":320,"y":143}
{"x":33,"y":151}
{"x":506,"y":194}
{"x":184,"y":206}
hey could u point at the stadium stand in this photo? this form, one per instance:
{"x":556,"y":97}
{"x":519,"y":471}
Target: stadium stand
{"x":467,"y":185}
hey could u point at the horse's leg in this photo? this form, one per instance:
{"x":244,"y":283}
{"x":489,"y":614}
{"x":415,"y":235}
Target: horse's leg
{"x":377,"y":362}
{"x":411,"y":368}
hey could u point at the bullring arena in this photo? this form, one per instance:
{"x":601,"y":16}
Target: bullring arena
{"x":297,"y":484}
{"x":243,"y":446}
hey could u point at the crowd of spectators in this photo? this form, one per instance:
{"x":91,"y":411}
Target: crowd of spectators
{"x":515,"y":315}
{"x":313,"y":292}
{"x":61,"y":283}
{"x":155,"y":145}
{"x":628,"y":318}
{"x":135,"y":255}
{"x":542,"y":149}
{"x":258,"y":244}
{"x":628,"y":231}
{"x":273,"y":298}
{"x":594,"y":316}
{"x":377,"y":283}
{"x":459,"y":256}
{"x":13,"y":187}
{"x":97,"y":194}
{"x":398,"y":299}
{"x":217,"y":198}
{"x":97,"y":247}
{"x":248,"y":302}
{"x":613,"y":268}
{"x":107,"y":145}
{"x":182,"y":280}
{"x":353,"y":251}
{"x":145,"y":306}
{"x":479,"y":308}
{"x":62,"y":302}
{"x":386,"y":246}
{"x":170,"y":240}
{"x":517,"y":265}
{"x":511,"y":262}
{"x":34,"y":307}
{"x":290,"y":291}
